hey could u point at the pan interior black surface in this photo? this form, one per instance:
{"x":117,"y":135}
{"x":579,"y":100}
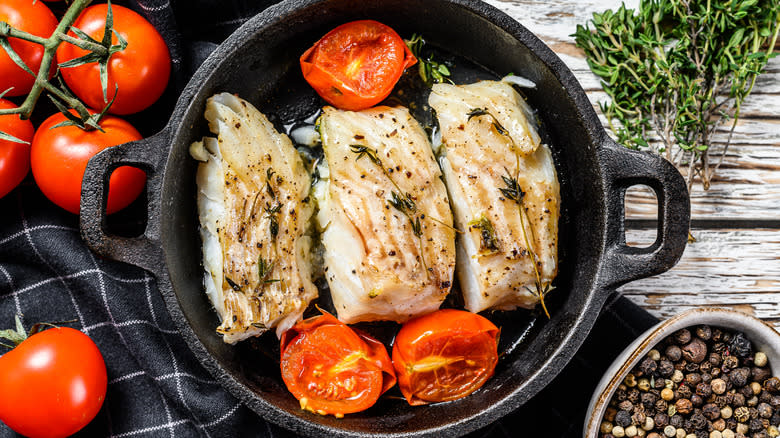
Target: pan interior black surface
{"x":267,"y":73}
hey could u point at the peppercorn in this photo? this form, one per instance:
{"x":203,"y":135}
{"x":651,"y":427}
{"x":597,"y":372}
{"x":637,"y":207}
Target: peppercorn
{"x":711,"y":411}
{"x":704,"y":332}
{"x":706,"y":377}
{"x":661,"y":420}
{"x":753,"y":412}
{"x":726,"y":412}
{"x":633,"y":395}
{"x":747,"y":391}
{"x":696,"y":400}
{"x":648,"y":399}
{"x":606,"y":427}
{"x":648,"y":367}
{"x":653,"y":435}
{"x":673,"y":353}
{"x":760,"y":359}
{"x":698,"y":421}
{"x":677,"y":376}
{"x":643,"y":385}
{"x":772,"y":385}
{"x":705,"y":367}
{"x":764,"y":410}
{"x":701,"y":434}
{"x":739,"y":400}
{"x":618,"y":432}
{"x":728,"y":433}
{"x":648,"y":425}
{"x":630,"y":380}
{"x":740,"y":345}
{"x":739,"y":377}
{"x":755,"y":425}
{"x":704,"y":389}
{"x":718,"y":386}
{"x":626,"y":405}
{"x":715,"y":434}
{"x":695,"y":351}
{"x":683,"y":406}
{"x":670,"y":431}
{"x":719,"y":424}
{"x":717,"y":334}
{"x":730,"y":362}
{"x":775,"y":401}
{"x":756,"y":387}
{"x":715,"y":372}
{"x":638,"y":417}
{"x":622,"y":419}
{"x":692,"y":367}
{"x":773,"y":431}
{"x":693,"y":379}
{"x":742,"y":428}
{"x":765,"y":397}
{"x":742,"y":414}
{"x":760,"y":374}
{"x":715,"y":359}
{"x":760,"y":434}
{"x":631,"y":431}
{"x":682,"y":336}
{"x":676,"y":420}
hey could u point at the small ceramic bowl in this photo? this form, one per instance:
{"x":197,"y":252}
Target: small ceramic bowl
{"x":763,"y":336}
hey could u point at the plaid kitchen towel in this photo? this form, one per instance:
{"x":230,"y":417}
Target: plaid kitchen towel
{"x":156,"y":386}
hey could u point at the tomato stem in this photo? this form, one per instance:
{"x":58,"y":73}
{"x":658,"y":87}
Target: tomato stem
{"x":50,"y":44}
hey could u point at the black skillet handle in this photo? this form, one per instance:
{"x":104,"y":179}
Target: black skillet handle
{"x":148,"y":155}
{"x":624,"y":168}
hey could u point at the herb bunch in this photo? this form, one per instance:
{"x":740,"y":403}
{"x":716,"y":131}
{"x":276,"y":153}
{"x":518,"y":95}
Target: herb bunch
{"x":430,"y":70}
{"x":681,"y":68}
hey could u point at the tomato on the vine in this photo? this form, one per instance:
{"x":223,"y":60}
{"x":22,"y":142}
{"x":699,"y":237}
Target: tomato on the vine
{"x":32,"y":17}
{"x":14,"y":157}
{"x":140,"y":71}
{"x":333,"y":369}
{"x":54,"y":383}
{"x":444,"y":355}
{"x":59,"y":158}
{"x":357,"y":64}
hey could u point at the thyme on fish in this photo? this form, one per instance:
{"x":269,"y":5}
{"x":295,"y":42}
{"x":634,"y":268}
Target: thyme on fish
{"x":430,"y":70}
{"x":269,"y":173}
{"x":515,"y":193}
{"x":488,"y":240}
{"x":682,"y":69}
{"x":265,"y":268}
{"x":273,"y":224}
{"x":232,"y":284}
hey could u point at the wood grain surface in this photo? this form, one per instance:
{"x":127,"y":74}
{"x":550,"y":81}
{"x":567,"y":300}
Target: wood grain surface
{"x":735,"y":261}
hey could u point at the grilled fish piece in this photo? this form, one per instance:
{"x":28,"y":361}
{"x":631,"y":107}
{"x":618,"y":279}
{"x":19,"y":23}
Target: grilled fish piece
{"x":386,"y":220}
{"x":254,"y":219}
{"x":504,"y":191}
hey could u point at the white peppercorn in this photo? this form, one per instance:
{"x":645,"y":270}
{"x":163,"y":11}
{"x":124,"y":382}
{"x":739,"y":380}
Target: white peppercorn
{"x":716,"y":434}
{"x":618,"y":432}
{"x":656,"y":355}
{"x":760,"y":359}
{"x":606,"y":427}
{"x":649,"y":423}
{"x":677,"y":376}
{"x":669,"y":431}
{"x":630,"y":431}
{"x":726,"y":412}
{"x":728,"y":433}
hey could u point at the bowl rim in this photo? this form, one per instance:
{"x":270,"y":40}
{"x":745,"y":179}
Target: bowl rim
{"x":764,"y":336}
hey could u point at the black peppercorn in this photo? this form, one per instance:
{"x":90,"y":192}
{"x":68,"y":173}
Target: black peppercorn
{"x":701,"y":433}
{"x":772,"y":385}
{"x":696,"y":400}
{"x":661,"y":405}
{"x":760,"y":374}
{"x":692,"y":367}
{"x":683,"y":406}
{"x":711,"y":411}
{"x":739,"y":377}
{"x":717,"y":335}
{"x":764,"y":410}
{"x":775,"y":420}
{"x":739,"y":400}
{"x":673,"y":353}
{"x":676,"y":420}
{"x":682,"y":336}
{"x":683,"y":391}
{"x":692,"y":379}
{"x":648,"y":367}
{"x":704,"y":389}
{"x":623,"y":419}
{"x":648,"y":399}
{"x":698,"y":421}
{"x":633,"y":395}
{"x":760,"y":434}
{"x":755,"y":425}
{"x":705,"y":367}
{"x":665,"y":368}
{"x":704,"y":332}
{"x":729,"y":363}
{"x":775,"y":401}
{"x":740,"y":345}
{"x":661,"y":420}
{"x":626,"y":405}
{"x":706,"y":377}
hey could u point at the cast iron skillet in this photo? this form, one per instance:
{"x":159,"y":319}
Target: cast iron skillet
{"x":259,"y":62}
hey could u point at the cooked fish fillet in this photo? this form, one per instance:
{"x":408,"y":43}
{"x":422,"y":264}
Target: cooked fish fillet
{"x":489,"y":140}
{"x":254,"y":217}
{"x":377,"y":266}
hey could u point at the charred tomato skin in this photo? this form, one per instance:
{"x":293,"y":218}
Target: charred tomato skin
{"x":356,"y":65}
{"x":444,"y":355}
{"x":332,"y":369}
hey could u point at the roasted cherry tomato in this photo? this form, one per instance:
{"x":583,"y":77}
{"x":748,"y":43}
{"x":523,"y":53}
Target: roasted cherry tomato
{"x":140,"y":71}
{"x":14,"y":157}
{"x":59,"y":158}
{"x":54,"y":383}
{"x":445,"y":355}
{"x":333,"y":369}
{"x":357,"y":64}
{"x":32,"y":17}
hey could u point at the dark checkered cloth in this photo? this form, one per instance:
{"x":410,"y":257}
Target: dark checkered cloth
{"x":156,"y":386}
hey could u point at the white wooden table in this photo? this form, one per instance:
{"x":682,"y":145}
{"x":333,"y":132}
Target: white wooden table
{"x":735,"y":261}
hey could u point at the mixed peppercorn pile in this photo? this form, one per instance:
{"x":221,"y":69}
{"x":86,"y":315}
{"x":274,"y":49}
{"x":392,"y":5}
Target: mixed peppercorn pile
{"x":701,"y":382}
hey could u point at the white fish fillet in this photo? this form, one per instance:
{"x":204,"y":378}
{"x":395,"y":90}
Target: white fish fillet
{"x":488,"y":133}
{"x":376,"y":266}
{"x":237,"y":206}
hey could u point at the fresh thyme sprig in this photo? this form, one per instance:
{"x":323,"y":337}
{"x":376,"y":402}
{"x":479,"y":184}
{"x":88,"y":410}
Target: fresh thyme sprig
{"x":431,"y":71}
{"x":265,"y":268}
{"x":682,"y":69}
{"x":515,"y":193}
{"x":273,"y":225}
{"x":489,"y":242}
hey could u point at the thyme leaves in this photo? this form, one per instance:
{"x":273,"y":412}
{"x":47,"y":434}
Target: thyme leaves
{"x":265,"y":268}
{"x":488,"y":241}
{"x":430,"y":71}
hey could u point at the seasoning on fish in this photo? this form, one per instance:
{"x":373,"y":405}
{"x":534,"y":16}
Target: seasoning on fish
{"x":504,"y":191}
{"x":255,"y":217}
{"x":387,"y":225}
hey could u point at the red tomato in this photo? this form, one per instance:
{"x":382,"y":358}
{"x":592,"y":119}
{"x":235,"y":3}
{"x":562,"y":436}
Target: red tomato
{"x":332,"y":369}
{"x":357,"y":64}
{"x":54,"y":383}
{"x":445,"y":355}
{"x":59,"y":158}
{"x":14,"y":157}
{"x":140,"y":71}
{"x":32,"y":17}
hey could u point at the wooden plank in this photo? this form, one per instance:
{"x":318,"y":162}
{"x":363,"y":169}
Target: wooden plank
{"x":748,"y":182}
{"x":738,"y":269}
